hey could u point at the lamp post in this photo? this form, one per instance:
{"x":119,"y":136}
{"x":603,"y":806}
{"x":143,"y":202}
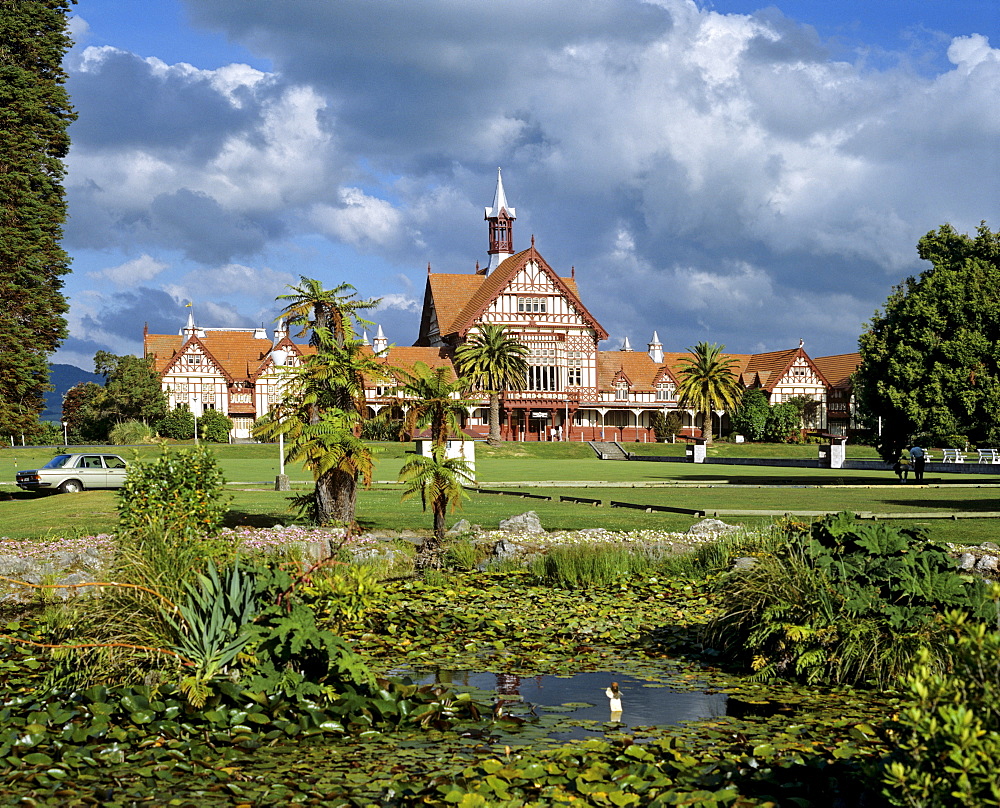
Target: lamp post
{"x":65,"y":434}
{"x":281,"y":483}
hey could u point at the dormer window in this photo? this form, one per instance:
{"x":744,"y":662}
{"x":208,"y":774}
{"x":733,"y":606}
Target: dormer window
{"x":621,"y":391}
{"x":192,"y":359}
{"x":665,"y":391}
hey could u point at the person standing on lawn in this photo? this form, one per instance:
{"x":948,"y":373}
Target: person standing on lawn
{"x":919,"y":458}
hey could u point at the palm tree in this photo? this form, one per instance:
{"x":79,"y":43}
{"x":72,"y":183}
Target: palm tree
{"x":338,"y":459}
{"x":432,"y":396}
{"x":708,"y":382}
{"x":324,"y":402}
{"x":327,"y":312}
{"x":496,"y":362}
{"x":440,"y":481}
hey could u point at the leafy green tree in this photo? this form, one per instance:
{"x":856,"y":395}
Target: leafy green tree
{"x":85,"y":420}
{"x":782,"y":422}
{"x":34,"y":115}
{"x":750,"y":418}
{"x":432,"y":397}
{"x":178,"y":424}
{"x":214,"y":426}
{"x":49,"y":433}
{"x":439,"y":481}
{"x":807,"y":408}
{"x":132,"y":389}
{"x":708,"y":382}
{"x":496,"y":362}
{"x":930,"y":361}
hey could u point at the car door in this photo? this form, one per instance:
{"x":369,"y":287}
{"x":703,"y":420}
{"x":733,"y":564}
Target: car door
{"x":115,"y":470}
{"x":91,"y":472}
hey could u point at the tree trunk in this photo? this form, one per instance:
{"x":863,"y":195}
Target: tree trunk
{"x":706,"y":427}
{"x":336,"y":496}
{"x":429,"y":556}
{"x":494,"y":439}
{"x":440,"y":513}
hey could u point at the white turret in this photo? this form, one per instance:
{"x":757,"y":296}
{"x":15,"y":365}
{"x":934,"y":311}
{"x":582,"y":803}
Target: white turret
{"x":626,"y":345}
{"x":656,"y":349}
{"x":380,"y":344}
{"x":280,"y":331}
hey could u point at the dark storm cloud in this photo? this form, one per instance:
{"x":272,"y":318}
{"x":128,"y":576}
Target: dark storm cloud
{"x":128,"y":104}
{"x":124,"y":313}
{"x":202,"y":229}
{"x":432,"y":70}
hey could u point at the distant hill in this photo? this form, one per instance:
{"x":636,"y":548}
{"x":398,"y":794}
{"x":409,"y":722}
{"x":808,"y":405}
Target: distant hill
{"x":62,"y":378}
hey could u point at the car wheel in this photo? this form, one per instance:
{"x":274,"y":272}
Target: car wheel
{"x":71,"y":487}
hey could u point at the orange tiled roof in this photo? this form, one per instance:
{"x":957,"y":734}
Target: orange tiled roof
{"x":451,"y":293}
{"x":675,"y":362}
{"x":837,"y":369}
{"x":637,"y":366}
{"x":456,"y":315}
{"x":161,"y":348}
{"x":402,"y":356}
{"x":238,"y":355}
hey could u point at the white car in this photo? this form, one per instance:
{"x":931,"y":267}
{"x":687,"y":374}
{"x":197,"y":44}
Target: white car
{"x":70,"y":473}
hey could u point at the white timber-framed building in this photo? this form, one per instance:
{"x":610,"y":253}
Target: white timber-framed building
{"x":575,"y":390}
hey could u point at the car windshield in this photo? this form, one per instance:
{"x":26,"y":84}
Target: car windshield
{"x":57,"y":462}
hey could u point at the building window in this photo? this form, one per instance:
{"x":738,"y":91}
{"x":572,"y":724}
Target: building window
{"x":192,"y":359}
{"x":665,"y":391}
{"x":532,"y":304}
{"x":544,"y":372}
{"x":621,"y":391}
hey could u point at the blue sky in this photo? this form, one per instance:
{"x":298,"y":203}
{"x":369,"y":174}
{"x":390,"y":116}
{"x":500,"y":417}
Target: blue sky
{"x":722,"y":171}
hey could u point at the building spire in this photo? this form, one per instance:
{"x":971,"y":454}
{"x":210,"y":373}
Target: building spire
{"x":656,"y":349}
{"x":380,"y":345}
{"x":501,"y":218}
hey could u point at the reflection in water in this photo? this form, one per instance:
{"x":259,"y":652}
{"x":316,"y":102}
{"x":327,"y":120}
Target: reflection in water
{"x":649,"y":703}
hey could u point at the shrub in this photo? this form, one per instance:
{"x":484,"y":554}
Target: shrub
{"x":128,"y":433}
{"x":843,"y":602}
{"x":178,"y":425}
{"x":381,"y":429}
{"x":948,"y":741}
{"x":782,"y":423}
{"x":580,"y":566}
{"x":666,"y":426}
{"x":214,"y":426}
{"x":179,"y":492}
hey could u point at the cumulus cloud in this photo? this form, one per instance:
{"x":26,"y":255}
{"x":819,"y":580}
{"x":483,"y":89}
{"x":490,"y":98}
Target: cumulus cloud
{"x":708,"y":168}
{"x":360,"y":220}
{"x":132,"y":273}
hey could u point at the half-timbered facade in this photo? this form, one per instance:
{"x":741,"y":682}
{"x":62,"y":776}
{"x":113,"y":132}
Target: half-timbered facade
{"x":574,"y":390}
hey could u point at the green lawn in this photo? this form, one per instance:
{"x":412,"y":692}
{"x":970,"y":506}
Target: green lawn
{"x":252,"y":467}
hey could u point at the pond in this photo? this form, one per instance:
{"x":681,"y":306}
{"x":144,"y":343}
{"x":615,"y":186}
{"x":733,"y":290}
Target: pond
{"x":576,"y":707}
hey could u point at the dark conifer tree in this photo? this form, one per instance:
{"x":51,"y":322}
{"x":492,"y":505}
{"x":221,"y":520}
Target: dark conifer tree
{"x":34,"y":117}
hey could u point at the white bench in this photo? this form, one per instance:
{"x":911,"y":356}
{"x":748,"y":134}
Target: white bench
{"x":989,"y":455}
{"x":953,"y":456}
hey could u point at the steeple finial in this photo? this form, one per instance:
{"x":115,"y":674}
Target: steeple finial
{"x":501,"y":218}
